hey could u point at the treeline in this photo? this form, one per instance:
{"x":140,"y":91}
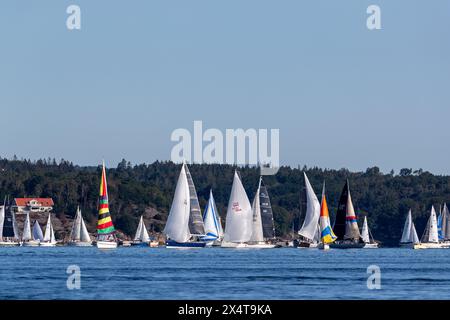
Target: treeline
{"x":148,"y":189}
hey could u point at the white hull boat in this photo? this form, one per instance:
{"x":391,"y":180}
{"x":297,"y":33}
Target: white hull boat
{"x":233,"y":245}
{"x":371,"y":246}
{"x":415,"y":246}
{"x":47,"y":244}
{"x":31,"y":243}
{"x":79,"y":244}
{"x":106,"y":244}
{"x":9,"y":244}
{"x":261,"y":246}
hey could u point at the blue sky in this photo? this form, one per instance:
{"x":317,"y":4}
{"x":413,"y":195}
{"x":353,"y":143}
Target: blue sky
{"x":341,"y":95}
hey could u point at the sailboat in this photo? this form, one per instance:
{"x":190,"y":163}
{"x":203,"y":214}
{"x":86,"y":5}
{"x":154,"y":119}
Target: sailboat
{"x":263,"y":228}
{"x":238,"y":227}
{"x":309,"y":232}
{"x":430,"y":238}
{"x":27,"y":237}
{"x":49,"y":235}
{"x":184,"y":227}
{"x":79,"y":235}
{"x":409,"y":236}
{"x":367,"y":236}
{"x":37,"y":232}
{"x":213,"y":224}
{"x":327,"y":235}
{"x":106,"y":234}
{"x":8,"y":235}
{"x":444,"y":225}
{"x":141,"y":238}
{"x":346,"y":225}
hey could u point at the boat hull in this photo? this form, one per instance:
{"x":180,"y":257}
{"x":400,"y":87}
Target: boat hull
{"x":31,"y":243}
{"x":261,"y":246}
{"x":415,"y":246}
{"x":233,"y":245}
{"x":436,"y":245}
{"x":106,"y":244}
{"x":347,"y":245}
{"x":305,"y":245}
{"x":324,"y":246}
{"x":79,"y":244}
{"x":140,"y":244}
{"x":371,"y":246}
{"x":9,"y":244}
{"x":185,"y":245}
{"x":47,"y":244}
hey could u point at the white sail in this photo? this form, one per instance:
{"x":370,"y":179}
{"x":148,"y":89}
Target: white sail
{"x":431,"y":233}
{"x":316,"y":238}
{"x":141,"y":232}
{"x":409,"y":234}
{"x":15,"y":226}
{"x":211,"y":218}
{"x":27,"y":229}
{"x":2,"y":220}
{"x":75,"y":234}
{"x":257,"y":228}
{"x":84,"y":237}
{"x":365,"y":231}
{"x":49,"y":235}
{"x":309,"y":227}
{"x":37,"y":231}
{"x":238,"y":227}
{"x":177,"y":225}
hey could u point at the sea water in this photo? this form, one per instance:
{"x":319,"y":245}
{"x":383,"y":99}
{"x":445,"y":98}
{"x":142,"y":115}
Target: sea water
{"x":215,"y":273}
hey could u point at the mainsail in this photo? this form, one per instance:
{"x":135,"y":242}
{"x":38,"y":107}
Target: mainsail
{"x":141,"y":232}
{"x":310,"y":224}
{"x":211,"y":219}
{"x":196,"y":226}
{"x":9,"y":227}
{"x":444,"y":224}
{"x":177,"y":225}
{"x":37,"y":231}
{"x":238,"y":227}
{"x":326,"y":233}
{"x":346,"y":226}
{"x":26,"y":236}
{"x":257,"y":227}
{"x":49,"y":235}
{"x":79,"y":231}
{"x":431,"y":232}
{"x":268,"y":224}
{"x":409,"y":234}
{"x":105,"y":227}
{"x":365,"y":232}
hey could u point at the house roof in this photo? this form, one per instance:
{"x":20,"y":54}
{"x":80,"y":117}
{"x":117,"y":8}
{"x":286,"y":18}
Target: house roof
{"x":45,"y":202}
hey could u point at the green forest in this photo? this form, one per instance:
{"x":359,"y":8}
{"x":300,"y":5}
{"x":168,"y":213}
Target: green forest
{"x":147,"y":189}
